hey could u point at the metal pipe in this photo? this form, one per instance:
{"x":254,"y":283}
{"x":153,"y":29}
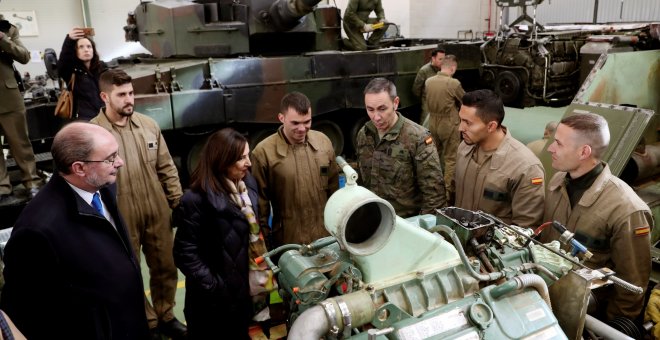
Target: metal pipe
{"x":464,"y":258}
{"x":311,"y":324}
{"x":334,"y":315}
{"x":350,"y":173}
{"x":603,"y":330}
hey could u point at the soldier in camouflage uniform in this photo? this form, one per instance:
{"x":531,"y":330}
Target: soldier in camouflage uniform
{"x":357,"y":22}
{"x":427,"y":71}
{"x":397,"y":158}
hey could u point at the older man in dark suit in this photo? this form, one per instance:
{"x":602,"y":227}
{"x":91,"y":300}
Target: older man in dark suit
{"x":70,"y":270}
{"x":12,"y":113}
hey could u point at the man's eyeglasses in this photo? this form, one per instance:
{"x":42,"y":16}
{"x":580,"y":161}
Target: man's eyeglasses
{"x":108,"y":161}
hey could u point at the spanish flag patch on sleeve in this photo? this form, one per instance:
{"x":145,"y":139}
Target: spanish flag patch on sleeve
{"x":537,"y":180}
{"x":642,"y":231}
{"x":428,"y":140}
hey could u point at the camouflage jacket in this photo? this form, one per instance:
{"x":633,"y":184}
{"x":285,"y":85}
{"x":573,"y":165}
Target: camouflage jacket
{"x":403,"y":167}
{"x":357,"y":12}
{"x":615,"y":224}
{"x":425,"y":72}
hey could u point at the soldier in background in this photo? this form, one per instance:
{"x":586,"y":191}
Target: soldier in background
{"x":537,"y":145}
{"x":357,"y":22}
{"x":149,"y":188}
{"x":296,"y":172}
{"x":12,"y":114}
{"x":443,"y":100}
{"x":397,"y":158}
{"x":603,"y":211}
{"x":427,"y":71}
{"x":496,"y":173}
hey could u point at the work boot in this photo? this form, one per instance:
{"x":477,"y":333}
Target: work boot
{"x":173,"y":329}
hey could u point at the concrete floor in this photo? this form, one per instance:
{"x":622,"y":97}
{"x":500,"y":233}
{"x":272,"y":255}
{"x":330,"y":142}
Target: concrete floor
{"x":277,"y":332}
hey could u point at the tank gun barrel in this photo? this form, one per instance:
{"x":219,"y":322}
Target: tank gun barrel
{"x":284,"y":14}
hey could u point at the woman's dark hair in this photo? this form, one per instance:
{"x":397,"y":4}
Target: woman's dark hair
{"x":221,"y":151}
{"x":94,"y":64}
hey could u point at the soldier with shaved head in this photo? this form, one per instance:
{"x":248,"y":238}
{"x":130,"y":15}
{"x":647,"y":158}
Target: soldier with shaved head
{"x":604,"y":212}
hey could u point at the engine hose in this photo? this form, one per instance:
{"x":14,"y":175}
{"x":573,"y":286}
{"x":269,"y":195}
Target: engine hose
{"x":626,"y":285}
{"x":522,"y":282}
{"x":464,"y":258}
{"x":540,"y":268}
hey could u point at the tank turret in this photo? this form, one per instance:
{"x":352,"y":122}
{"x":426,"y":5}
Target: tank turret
{"x":220,"y":28}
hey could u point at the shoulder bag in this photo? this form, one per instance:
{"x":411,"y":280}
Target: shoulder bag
{"x":64,"y":108}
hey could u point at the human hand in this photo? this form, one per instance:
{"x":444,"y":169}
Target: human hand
{"x":2,"y":35}
{"x":653,"y":312}
{"x":367,"y":28}
{"x":76,"y":33}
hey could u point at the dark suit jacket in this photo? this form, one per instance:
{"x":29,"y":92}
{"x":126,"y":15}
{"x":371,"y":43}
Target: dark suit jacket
{"x":69,"y":274}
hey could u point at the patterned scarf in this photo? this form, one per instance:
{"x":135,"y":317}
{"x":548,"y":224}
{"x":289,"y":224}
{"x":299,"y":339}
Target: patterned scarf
{"x":261,"y":278}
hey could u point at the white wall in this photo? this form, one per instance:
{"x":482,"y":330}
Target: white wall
{"x":445,"y":18}
{"x":54,"y":18}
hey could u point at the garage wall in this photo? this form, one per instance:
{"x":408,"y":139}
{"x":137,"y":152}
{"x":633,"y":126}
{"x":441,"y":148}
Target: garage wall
{"x":451,"y":18}
{"x":55,"y":18}
{"x":570,"y":11}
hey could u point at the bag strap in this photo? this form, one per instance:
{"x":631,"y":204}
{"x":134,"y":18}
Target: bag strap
{"x":72,"y":82}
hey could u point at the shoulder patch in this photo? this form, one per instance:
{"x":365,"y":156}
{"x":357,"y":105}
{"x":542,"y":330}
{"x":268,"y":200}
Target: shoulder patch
{"x":642,"y":231}
{"x":428,"y":140}
{"x":537,"y":180}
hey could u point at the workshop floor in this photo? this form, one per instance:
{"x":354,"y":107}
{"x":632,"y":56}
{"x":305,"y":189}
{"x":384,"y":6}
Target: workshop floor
{"x":277,"y":332}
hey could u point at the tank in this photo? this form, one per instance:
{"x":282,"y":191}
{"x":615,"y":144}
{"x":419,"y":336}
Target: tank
{"x":228,"y":63}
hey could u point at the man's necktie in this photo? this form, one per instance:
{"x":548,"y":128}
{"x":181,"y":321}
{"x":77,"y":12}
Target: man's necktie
{"x":96,"y":203}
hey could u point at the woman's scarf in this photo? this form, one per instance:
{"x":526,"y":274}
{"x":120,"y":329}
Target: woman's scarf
{"x":261,"y":278}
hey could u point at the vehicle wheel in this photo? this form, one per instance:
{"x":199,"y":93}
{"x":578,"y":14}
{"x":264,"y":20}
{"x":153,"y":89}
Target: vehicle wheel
{"x":359,"y":123}
{"x":334,"y":133}
{"x":508,"y":87}
{"x":255,"y":137}
{"x":488,"y":78}
{"x":192,"y":159}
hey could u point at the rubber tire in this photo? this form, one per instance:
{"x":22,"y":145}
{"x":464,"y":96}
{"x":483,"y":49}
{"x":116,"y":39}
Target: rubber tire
{"x":508,"y":86}
{"x":334,"y":133}
{"x":357,"y":125}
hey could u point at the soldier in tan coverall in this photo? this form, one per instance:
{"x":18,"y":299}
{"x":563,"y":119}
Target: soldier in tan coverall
{"x":496,"y":173}
{"x":427,"y":71}
{"x":148,"y":188}
{"x":397,"y":159}
{"x":603,"y":211}
{"x":357,"y":22}
{"x":443,"y":99}
{"x":296,"y":172}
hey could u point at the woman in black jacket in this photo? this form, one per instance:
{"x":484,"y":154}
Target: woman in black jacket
{"x":79,"y":56}
{"x":218,"y":239}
